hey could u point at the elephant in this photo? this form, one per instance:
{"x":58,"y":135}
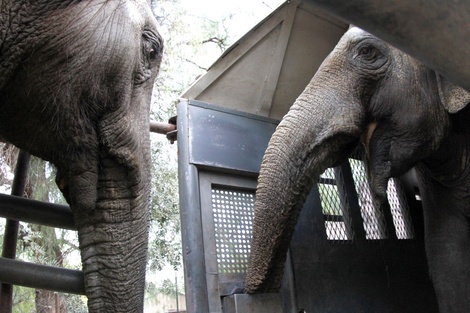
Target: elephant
{"x":407,"y":116}
{"x":76,"y":78}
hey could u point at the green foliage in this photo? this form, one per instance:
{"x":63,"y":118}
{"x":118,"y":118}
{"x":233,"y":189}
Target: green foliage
{"x":185,"y":58}
{"x":165,"y":243}
{"x":8,"y":156}
{"x":76,"y":304}
{"x":151,"y":291}
{"x":23,"y":300}
{"x":166,"y":287}
{"x":191,"y":44}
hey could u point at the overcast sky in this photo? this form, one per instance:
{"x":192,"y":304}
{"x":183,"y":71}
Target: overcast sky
{"x":240,"y":17}
{"x":247,"y":13}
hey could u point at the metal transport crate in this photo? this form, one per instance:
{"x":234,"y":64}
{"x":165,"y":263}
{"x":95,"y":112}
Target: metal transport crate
{"x":344,"y":255}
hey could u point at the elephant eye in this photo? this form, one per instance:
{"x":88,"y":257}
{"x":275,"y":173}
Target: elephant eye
{"x":367,"y":53}
{"x":152,"y":45}
{"x":151,"y":49}
{"x":364,"y":51}
{"x":152,"y":54}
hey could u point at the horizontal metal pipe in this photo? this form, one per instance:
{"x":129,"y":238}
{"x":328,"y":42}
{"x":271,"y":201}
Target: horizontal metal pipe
{"x":161,"y":128}
{"x":37,"y":276}
{"x":36,"y":212}
{"x":437,"y":32}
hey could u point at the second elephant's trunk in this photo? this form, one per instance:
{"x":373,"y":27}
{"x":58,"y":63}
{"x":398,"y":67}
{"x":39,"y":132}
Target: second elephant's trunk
{"x":319,"y":130}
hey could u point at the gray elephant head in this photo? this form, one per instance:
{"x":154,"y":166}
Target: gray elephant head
{"x":75,"y":86}
{"x":405,"y":114}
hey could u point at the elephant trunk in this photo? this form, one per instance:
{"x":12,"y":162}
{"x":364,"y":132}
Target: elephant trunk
{"x":111,"y":210}
{"x":113,"y":241}
{"x":318,"y":131}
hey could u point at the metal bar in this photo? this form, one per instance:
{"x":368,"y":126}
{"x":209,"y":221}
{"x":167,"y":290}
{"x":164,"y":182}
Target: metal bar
{"x":57,"y":302}
{"x":191,"y":223}
{"x":334,"y":218}
{"x":161,"y":128}
{"x":37,"y":276}
{"x":10,"y":238}
{"x":436,"y":32}
{"x":355,"y":210}
{"x":36,"y":212}
{"x":345,"y":207}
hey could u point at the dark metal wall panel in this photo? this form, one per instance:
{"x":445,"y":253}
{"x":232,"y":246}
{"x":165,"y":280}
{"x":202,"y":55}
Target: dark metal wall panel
{"x":359,"y":276}
{"x":259,"y":303}
{"x":218,"y":139}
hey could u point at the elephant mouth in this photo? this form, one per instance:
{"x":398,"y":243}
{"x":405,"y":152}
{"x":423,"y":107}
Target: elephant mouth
{"x":367,"y":135}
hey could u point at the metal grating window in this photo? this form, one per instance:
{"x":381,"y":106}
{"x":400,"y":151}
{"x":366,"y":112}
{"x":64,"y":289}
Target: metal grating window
{"x":400,"y":211}
{"x":233,"y":217}
{"x":337,"y":218}
{"x":373,"y":219}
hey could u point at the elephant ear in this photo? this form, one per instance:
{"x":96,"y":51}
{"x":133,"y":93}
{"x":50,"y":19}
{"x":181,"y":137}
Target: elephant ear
{"x":453,"y":97}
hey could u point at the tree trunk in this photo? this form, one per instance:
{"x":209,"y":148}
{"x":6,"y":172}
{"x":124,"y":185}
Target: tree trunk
{"x":44,"y":239}
{"x":50,"y":302}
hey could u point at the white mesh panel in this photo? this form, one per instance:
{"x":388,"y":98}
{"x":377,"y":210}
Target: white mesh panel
{"x":233,"y":217}
{"x":373,"y":219}
{"x":337,"y":225}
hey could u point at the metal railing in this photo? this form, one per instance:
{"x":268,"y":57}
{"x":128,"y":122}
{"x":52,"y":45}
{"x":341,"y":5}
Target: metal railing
{"x":16,"y":208}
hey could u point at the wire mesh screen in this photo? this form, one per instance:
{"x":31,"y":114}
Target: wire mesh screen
{"x":373,"y":219}
{"x":335,"y":211}
{"x":233,"y":217}
{"x":400,"y":211}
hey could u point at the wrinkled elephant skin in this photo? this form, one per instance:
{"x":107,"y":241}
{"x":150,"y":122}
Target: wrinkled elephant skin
{"x":75,"y":84}
{"x":406,"y":115}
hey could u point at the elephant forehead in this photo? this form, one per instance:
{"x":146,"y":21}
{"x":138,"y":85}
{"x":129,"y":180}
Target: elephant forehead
{"x":350,"y":38}
{"x":356,"y":33}
{"x":137,"y":11}
{"x":113,"y":16}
